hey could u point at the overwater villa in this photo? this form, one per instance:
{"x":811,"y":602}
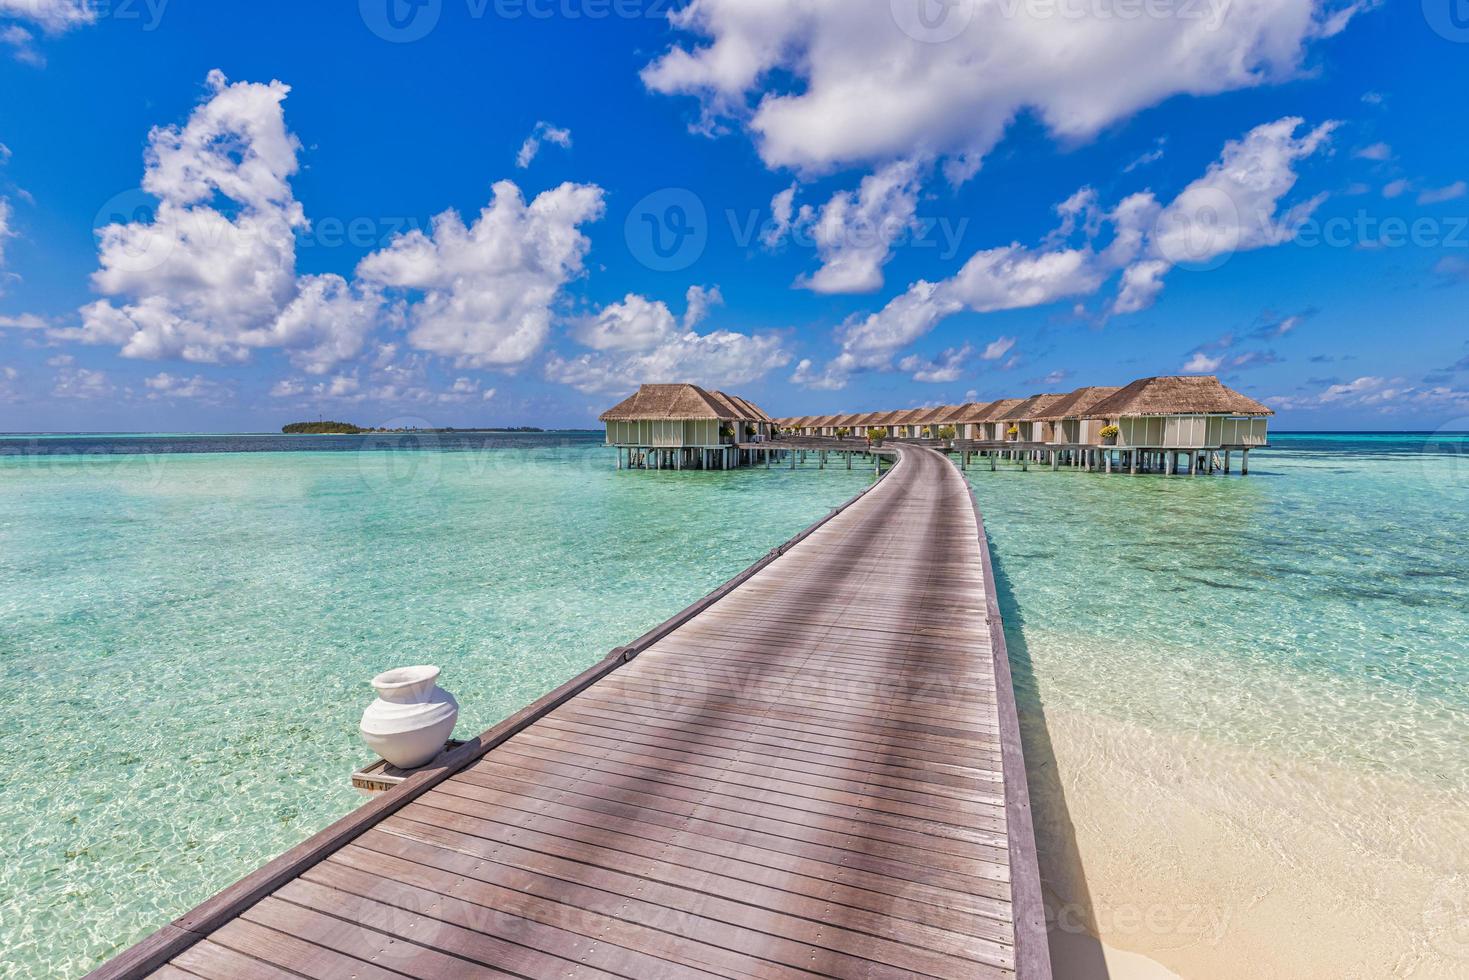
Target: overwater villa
{"x":903,"y":425}
{"x":1024,"y":419}
{"x":1195,"y":415}
{"x":963,"y":419}
{"x":1159,"y":424}
{"x":1065,"y":421}
{"x":677,"y":426}
{"x":984,"y":424}
{"x":756,"y":425}
{"x":935,"y":419}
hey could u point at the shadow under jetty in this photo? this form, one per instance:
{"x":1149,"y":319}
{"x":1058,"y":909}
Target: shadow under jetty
{"x":1076,"y":952}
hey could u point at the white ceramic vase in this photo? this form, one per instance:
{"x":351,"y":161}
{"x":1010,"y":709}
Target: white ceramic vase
{"x":412,"y":717}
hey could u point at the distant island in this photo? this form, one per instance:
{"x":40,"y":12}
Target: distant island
{"x":348,"y":429}
{"x":321,"y":428}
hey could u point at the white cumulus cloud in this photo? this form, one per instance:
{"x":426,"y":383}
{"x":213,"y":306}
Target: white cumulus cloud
{"x":854,"y":233}
{"x":164,"y":386}
{"x":543,"y":132}
{"x":1438,"y":195}
{"x":52,"y":16}
{"x":1234,"y":206}
{"x":82,"y":384}
{"x":636,"y":323}
{"x":195,"y":282}
{"x":487,"y":289}
{"x":821,"y":84}
{"x":209,"y":283}
{"x":639,"y":340}
{"x":5,"y":230}
{"x":944,"y":369}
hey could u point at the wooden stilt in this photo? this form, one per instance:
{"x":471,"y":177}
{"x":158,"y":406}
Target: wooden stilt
{"x":1244,"y":462}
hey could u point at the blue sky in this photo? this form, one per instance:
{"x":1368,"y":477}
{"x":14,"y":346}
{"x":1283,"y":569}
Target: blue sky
{"x":511,"y":211}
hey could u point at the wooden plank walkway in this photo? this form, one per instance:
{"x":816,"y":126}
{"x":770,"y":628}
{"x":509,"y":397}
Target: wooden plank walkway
{"x":814,"y":773}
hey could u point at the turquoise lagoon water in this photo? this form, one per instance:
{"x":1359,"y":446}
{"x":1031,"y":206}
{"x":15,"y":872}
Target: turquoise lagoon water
{"x":189,"y":634}
{"x":1318,"y":607}
{"x":1245,"y":705}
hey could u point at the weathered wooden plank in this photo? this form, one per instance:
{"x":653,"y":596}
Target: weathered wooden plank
{"x":682,"y":855}
{"x":785,"y":752}
{"x":821,"y":857}
{"x":791,"y":762}
{"x":298,"y":956}
{"x":471,"y":905}
{"x":212,"y":961}
{"x":900,"y":862}
{"x":740,"y":921}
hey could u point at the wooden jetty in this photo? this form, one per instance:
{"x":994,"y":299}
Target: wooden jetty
{"x":815,"y":771}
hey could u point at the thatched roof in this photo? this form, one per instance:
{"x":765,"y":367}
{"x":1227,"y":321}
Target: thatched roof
{"x":1074,"y":405}
{"x":969,"y":411}
{"x":669,"y":402}
{"x":994,"y":410}
{"x":1030,"y":409}
{"x":1191,"y":395}
{"x":909,"y":417}
{"x":871,"y":418}
{"x":748,"y":409}
{"x":728,"y":402}
{"x":849,"y":420}
{"x":934,"y":416}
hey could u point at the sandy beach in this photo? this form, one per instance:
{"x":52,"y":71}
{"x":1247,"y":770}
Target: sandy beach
{"x":1204,"y":861}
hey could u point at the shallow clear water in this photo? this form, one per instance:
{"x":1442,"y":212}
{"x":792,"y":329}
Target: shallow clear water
{"x":1318,"y":607}
{"x":1245,"y":705}
{"x":188,"y":635}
